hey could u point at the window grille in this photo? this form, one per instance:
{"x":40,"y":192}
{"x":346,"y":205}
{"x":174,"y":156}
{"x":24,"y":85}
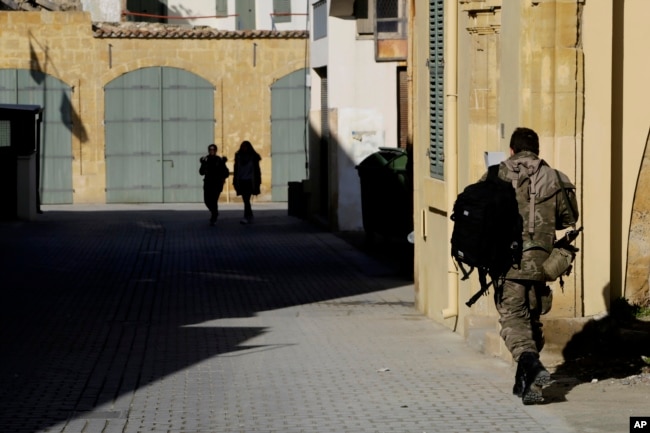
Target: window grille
{"x":391,"y":19}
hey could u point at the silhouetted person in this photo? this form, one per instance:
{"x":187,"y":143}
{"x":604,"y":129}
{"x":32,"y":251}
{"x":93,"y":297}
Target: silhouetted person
{"x":214,"y":171}
{"x":247,"y":177}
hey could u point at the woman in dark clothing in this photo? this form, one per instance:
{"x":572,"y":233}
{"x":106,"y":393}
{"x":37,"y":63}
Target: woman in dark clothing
{"x":247,"y":177}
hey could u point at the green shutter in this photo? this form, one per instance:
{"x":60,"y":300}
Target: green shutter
{"x":245,"y":10}
{"x":222,"y":7}
{"x":282,"y":7}
{"x":436,"y":88}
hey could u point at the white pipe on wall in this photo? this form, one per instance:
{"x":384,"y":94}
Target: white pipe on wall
{"x":451,"y":144}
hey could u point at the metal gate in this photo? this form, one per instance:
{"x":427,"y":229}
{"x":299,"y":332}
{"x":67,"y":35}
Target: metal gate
{"x":31,"y":87}
{"x":289,"y":110}
{"x":159,"y":122}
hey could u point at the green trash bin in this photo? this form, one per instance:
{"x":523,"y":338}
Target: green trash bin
{"x":385,"y":193}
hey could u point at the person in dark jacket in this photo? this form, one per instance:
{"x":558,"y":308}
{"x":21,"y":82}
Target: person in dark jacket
{"x":247,"y":177}
{"x":214,"y":171}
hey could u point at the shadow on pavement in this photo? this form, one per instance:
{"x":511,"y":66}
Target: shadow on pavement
{"x":98,"y":304}
{"x":396,"y":252}
{"x":612,"y":347}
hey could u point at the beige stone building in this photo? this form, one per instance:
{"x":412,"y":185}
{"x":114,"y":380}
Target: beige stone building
{"x":574,"y":71}
{"x":72,"y":63}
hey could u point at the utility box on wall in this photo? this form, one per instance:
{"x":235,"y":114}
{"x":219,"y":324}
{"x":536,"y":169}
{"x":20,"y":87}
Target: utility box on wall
{"x":20,"y":132}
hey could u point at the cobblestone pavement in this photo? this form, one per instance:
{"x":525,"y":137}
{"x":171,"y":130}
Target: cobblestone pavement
{"x":145,"y":319}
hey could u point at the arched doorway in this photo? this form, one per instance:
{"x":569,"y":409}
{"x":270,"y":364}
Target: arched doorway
{"x":159,"y":122}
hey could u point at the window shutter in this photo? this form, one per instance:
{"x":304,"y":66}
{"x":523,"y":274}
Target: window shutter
{"x":436,"y":88}
{"x":222,"y":7}
{"x":282,"y":7}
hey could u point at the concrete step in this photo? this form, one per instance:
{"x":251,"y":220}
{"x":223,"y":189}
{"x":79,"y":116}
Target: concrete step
{"x":482,"y":334}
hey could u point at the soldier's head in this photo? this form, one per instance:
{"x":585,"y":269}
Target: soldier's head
{"x":524,"y":139}
{"x":212,"y":149}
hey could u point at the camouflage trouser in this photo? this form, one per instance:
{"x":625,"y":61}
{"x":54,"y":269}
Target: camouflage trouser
{"x":519,"y":304}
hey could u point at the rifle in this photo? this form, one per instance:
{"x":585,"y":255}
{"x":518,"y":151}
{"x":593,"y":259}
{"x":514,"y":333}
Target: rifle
{"x":485,"y":286}
{"x":568,"y":238}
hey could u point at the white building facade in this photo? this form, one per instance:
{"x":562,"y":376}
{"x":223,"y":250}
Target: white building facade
{"x":358,"y":88}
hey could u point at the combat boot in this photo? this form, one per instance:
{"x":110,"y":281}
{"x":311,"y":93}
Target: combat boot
{"x":536,"y":377}
{"x":518,"y":387}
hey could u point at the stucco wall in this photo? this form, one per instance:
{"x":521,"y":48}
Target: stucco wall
{"x":598,"y":202}
{"x":63,"y":45}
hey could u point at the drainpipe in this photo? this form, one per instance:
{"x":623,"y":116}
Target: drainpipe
{"x":451,"y":144}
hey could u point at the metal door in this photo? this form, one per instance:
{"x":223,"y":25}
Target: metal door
{"x":159,"y":121}
{"x":22,"y":86}
{"x":289,"y":110}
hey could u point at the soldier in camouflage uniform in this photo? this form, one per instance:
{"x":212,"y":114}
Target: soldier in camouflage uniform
{"x":544,"y":209}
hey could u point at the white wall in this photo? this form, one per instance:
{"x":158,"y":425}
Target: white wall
{"x":263,"y":10}
{"x":364,"y":93}
{"x":360,"y":133}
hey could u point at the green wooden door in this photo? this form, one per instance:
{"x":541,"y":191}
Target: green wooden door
{"x":134,"y":137}
{"x":22,"y":86}
{"x":289,"y":110}
{"x":159,"y":121}
{"x":245,"y":10}
{"x":188,"y":129}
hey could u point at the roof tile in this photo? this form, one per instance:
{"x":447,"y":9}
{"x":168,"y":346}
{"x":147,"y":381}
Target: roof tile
{"x":167,"y":31}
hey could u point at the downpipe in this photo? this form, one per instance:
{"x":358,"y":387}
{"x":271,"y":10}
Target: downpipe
{"x":451,"y":145}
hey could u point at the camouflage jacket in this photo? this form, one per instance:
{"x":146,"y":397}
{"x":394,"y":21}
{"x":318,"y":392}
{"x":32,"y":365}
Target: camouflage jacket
{"x":551,"y":210}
